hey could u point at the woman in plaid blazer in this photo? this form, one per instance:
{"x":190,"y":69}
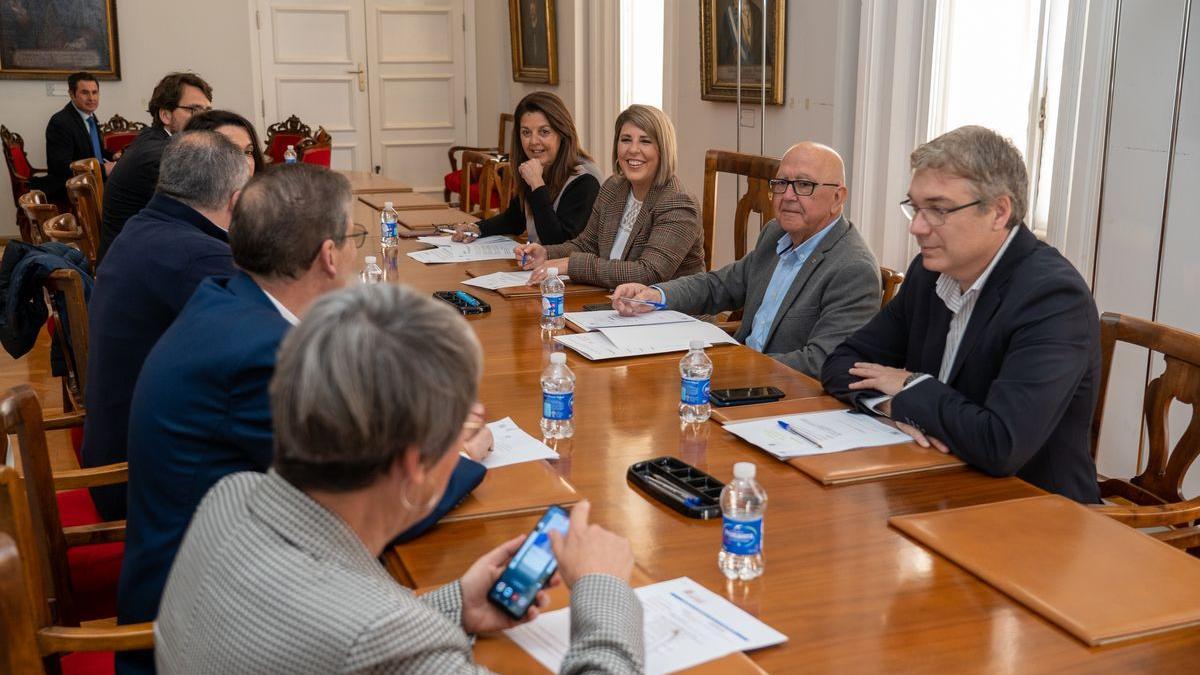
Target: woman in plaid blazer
{"x":644,"y":227}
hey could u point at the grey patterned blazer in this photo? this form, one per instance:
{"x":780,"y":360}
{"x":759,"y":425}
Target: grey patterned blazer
{"x":666,"y":242}
{"x":836,"y":291}
{"x":269,"y":581}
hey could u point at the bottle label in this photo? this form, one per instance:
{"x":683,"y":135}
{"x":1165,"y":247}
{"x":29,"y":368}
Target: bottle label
{"x":552,"y":306}
{"x":742,"y":537}
{"x":694,"y":392}
{"x":558,"y":406}
{"x":389,"y":229}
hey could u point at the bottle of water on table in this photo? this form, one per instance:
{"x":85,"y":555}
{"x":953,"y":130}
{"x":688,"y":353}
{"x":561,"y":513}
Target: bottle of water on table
{"x":289,"y":155}
{"x":387,"y":226}
{"x":695,"y":371}
{"x":743,"y":502}
{"x":552,"y":301}
{"x":372,"y":272}
{"x":558,"y":398}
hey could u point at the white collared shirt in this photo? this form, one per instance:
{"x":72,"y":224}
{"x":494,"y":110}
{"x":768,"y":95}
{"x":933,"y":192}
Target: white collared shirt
{"x":283,"y":311}
{"x":85,"y":116}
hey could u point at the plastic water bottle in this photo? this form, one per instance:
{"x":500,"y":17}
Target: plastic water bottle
{"x":552,"y":301}
{"x":695,"y":371}
{"x":289,"y":155}
{"x":743,"y":502}
{"x":372,"y":273}
{"x":558,"y":398}
{"x":387,"y":226}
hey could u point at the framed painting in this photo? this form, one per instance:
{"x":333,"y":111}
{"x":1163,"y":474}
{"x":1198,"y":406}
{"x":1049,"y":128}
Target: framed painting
{"x":722,"y":53}
{"x":50,"y":39}
{"x":534,"y":41}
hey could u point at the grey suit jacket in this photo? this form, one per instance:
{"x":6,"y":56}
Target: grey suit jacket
{"x":834,"y":294}
{"x":269,"y":581}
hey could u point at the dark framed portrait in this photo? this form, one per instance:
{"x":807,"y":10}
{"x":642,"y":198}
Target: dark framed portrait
{"x":50,"y":39}
{"x":534,"y":41}
{"x":722,"y":53}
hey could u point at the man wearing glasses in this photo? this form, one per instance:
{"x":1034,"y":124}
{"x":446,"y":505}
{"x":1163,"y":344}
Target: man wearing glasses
{"x":991,"y":349}
{"x":809,"y":282}
{"x":201,"y":407}
{"x":130,"y":186}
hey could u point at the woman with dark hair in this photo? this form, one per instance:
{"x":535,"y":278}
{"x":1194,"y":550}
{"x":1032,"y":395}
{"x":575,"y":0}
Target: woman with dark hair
{"x":556,"y":181}
{"x":234,"y":127}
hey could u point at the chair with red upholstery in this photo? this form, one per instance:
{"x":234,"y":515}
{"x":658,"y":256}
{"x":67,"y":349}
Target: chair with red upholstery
{"x":453,"y":180}
{"x":20,"y":171}
{"x":117,"y":133}
{"x":282,"y":134}
{"x":316,"y":150}
{"x":32,"y":640}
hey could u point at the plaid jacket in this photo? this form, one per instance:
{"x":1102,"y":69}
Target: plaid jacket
{"x":269,"y":581}
{"x":666,"y":242}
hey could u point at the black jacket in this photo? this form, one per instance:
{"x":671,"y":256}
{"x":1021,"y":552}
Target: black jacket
{"x":553,"y":226}
{"x":23,"y":270}
{"x":67,"y":140}
{"x":1021,"y":393}
{"x":131,"y":184}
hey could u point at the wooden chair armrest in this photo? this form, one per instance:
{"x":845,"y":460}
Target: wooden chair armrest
{"x":1182,"y":513}
{"x":109,"y":474}
{"x":455,"y":149}
{"x":64,"y":421}
{"x":1183,"y":538}
{"x":57,"y":639}
{"x":110,"y":532}
{"x":730,"y":327}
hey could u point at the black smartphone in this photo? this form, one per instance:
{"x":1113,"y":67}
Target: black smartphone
{"x":596,"y":306}
{"x":744,"y":396}
{"x":530,"y":568}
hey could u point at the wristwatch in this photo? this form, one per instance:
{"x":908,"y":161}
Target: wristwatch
{"x":911,"y":378}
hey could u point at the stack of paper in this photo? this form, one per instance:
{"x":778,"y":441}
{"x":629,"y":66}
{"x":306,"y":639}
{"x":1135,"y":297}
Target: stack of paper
{"x":819,"y":433}
{"x":504,"y":280}
{"x":609,"y":318}
{"x":447,"y":240}
{"x":457,"y":253}
{"x":650,"y":333}
{"x":511,"y":445}
{"x":684,"y":624}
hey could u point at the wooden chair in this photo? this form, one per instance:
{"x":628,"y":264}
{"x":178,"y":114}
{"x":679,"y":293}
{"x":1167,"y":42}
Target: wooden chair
{"x":1155,"y":492}
{"x":452,"y":182}
{"x":20,"y":172}
{"x":282,"y":134}
{"x":37,"y":210}
{"x":890,"y":280}
{"x":31,"y":641}
{"x":68,"y":307}
{"x":757,"y":198}
{"x":117,"y":133}
{"x":494,"y":189}
{"x":91,"y":166}
{"x":84,"y":196}
{"x":316,"y":150}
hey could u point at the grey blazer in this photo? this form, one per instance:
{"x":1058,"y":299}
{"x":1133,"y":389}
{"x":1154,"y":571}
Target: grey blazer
{"x":269,"y":581}
{"x":834,"y":294}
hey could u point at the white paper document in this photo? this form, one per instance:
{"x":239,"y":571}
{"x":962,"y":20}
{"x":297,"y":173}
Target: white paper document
{"x":499,"y":280}
{"x":595,"y":346}
{"x":456,"y":253}
{"x":511,"y":445}
{"x":834,"y":430}
{"x":610,"y":318}
{"x":667,"y":336}
{"x":684,"y":624}
{"x":447,"y":240}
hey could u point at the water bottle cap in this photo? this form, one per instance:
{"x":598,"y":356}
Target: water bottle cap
{"x":696,"y":344}
{"x":558,"y":358}
{"x":370,"y":260}
{"x":744,"y":470}
{"x":552,"y":271}
{"x":387,"y":205}
{"x":291,"y":147}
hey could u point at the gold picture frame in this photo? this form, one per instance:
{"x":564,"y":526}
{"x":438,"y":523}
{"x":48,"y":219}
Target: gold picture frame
{"x":719,"y":52}
{"x":48,"y":41}
{"x":534,"y":33}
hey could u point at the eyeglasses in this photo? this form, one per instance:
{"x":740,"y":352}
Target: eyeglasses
{"x":195,"y":108}
{"x":935,"y":216}
{"x":358,"y":234}
{"x":802,"y":188}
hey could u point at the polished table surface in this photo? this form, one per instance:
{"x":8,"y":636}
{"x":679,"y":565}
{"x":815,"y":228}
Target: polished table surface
{"x":365,"y":182}
{"x":851,"y":594}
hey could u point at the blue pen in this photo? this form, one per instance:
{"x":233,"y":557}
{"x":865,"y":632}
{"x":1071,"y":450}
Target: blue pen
{"x":466,"y":298}
{"x":791,"y":429}
{"x":651,"y":303}
{"x":522,"y":261}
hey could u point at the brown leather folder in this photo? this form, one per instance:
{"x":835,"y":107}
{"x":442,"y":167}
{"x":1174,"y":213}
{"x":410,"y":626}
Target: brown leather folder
{"x":485,"y":267}
{"x":1095,"y":578}
{"x":513,"y":490}
{"x":402,"y":201}
{"x":852,"y":466}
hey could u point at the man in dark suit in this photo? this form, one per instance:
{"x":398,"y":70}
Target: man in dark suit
{"x":201,"y":407}
{"x":73,"y":133}
{"x":174,"y":243}
{"x":991,"y":349}
{"x":176,"y":98}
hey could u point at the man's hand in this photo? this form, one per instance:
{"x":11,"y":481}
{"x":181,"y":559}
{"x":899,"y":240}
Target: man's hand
{"x":479,"y":615}
{"x":590,"y":549}
{"x":880,"y":378}
{"x":539,"y":275}
{"x":530,"y":256}
{"x":635,"y":292}
{"x":109,"y":165}
{"x":467,"y":232}
{"x":478,"y":444}
{"x":921,"y":438}
{"x":531,"y":173}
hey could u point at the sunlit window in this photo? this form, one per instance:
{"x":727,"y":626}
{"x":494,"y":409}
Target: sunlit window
{"x":641,"y":52}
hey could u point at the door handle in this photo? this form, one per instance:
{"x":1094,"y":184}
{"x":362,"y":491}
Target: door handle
{"x":362,"y":80}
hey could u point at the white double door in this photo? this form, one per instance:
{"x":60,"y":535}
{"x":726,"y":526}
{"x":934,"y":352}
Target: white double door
{"x":386,"y":78}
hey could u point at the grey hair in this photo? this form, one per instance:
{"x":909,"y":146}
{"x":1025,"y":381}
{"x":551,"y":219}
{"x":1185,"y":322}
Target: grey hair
{"x":202,"y":169}
{"x":369,"y":372}
{"x":988,"y":161}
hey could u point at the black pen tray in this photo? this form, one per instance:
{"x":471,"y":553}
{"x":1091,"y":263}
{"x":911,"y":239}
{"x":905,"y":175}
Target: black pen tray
{"x":704,"y":491}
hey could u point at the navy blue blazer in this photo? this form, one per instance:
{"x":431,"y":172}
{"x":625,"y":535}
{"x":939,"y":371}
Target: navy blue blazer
{"x":67,"y":139}
{"x":165,"y":252}
{"x":1023,"y":387}
{"x":131,"y":185}
{"x":201,"y":411}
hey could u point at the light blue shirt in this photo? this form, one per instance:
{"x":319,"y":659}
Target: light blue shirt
{"x":791,"y":259}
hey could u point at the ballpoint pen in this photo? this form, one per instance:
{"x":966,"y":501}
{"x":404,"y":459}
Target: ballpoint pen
{"x":674,"y":490}
{"x":466,"y":298}
{"x":651,"y":303}
{"x":791,"y":429}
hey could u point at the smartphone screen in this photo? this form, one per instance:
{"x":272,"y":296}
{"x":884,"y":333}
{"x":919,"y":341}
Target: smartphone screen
{"x":530,"y":568}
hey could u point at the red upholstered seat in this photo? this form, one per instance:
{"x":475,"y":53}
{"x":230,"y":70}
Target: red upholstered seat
{"x":321,"y":156}
{"x":279,"y":143}
{"x":117,"y":142}
{"x":20,"y":161}
{"x":453,"y":180}
{"x":88,"y":663}
{"x":95,"y":568}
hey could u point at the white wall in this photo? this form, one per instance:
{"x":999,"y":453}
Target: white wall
{"x":211,"y":38}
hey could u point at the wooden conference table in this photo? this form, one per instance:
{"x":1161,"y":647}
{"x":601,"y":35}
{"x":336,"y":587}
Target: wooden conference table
{"x":851,"y":594}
